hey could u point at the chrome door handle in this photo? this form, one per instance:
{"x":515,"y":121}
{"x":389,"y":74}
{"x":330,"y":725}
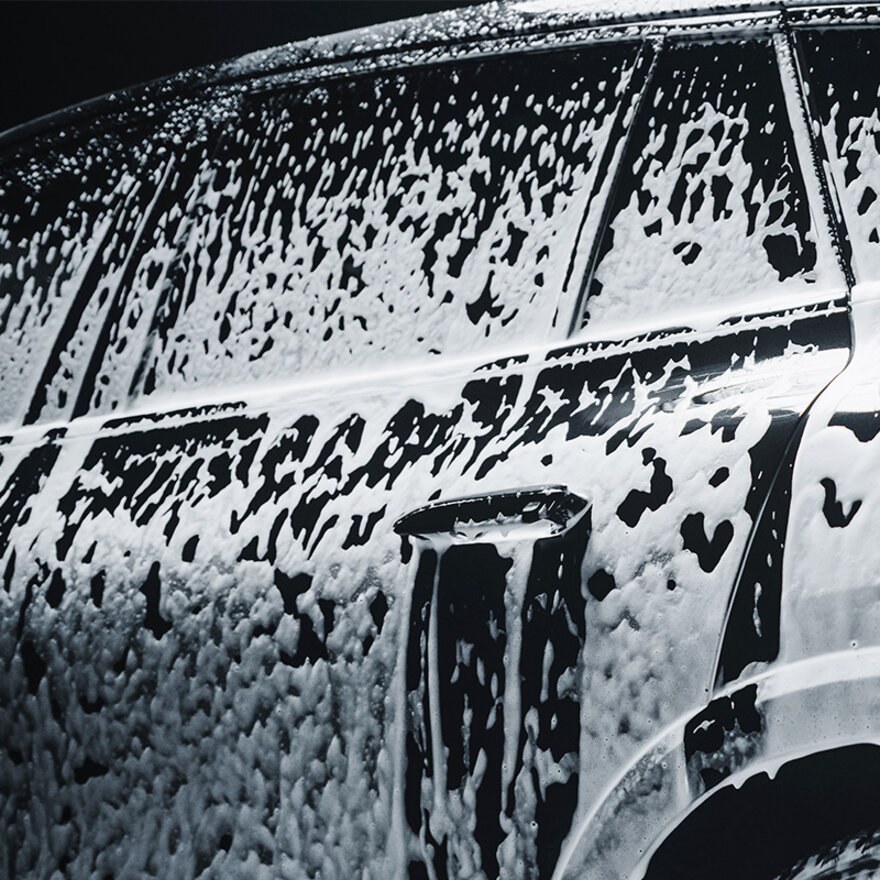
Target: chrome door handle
{"x":511,"y":514}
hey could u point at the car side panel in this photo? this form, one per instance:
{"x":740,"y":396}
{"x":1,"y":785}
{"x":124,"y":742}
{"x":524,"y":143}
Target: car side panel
{"x":203,"y":611}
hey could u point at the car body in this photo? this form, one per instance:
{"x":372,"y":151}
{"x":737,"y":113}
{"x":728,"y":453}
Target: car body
{"x":448,"y":450}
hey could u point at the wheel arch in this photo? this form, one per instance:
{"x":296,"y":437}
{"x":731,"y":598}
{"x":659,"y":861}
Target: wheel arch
{"x":759,"y":826}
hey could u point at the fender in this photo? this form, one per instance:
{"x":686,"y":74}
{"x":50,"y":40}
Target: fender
{"x":752,"y":728}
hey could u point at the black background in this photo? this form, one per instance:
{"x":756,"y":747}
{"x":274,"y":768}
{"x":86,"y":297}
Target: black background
{"x":53,"y":54}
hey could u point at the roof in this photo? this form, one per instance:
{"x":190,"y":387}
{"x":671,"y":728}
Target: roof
{"x":496,"y":20}
{"x":478,"y":27}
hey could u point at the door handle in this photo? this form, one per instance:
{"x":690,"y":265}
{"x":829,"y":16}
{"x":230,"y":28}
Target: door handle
{"x":510,"y":514}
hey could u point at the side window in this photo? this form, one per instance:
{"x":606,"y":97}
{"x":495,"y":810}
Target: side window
{"x":843,"y":73}
{"x":389,"y":217}
{"x":59,"y":232}
{"x":85,"y":242}
{"x":710,"y":211}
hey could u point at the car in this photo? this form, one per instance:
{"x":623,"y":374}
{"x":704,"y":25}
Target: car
{"x":449,"y":450}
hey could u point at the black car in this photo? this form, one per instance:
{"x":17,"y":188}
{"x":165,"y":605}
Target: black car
{"x":448,"y":450}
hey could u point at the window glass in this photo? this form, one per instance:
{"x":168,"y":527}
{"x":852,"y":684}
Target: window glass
{"x":843,"y":73}
{"x":710,"y":211}
{"x":57,"y":216}
{"x":181,"y":151}
{"x":84,"y":247}
{"x":388,"y":217}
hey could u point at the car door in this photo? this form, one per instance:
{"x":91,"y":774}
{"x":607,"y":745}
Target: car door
{"x":603,"y":270}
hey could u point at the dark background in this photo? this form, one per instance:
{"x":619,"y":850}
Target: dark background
{"x":54,"y":53}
